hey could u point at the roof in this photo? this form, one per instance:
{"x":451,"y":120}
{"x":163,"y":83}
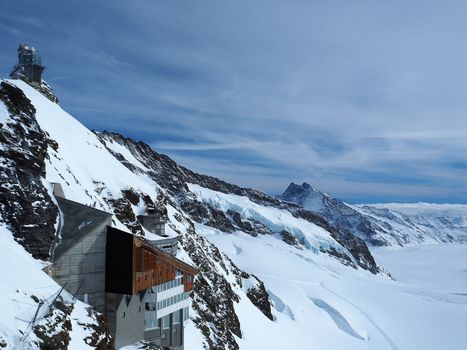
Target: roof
{"x":179,"y":264}
{"x":78,"y":220}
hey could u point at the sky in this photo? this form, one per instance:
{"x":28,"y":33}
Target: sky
{"x":366,"y":100}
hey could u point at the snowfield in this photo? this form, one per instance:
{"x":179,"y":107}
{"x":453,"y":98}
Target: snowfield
{"x":320,"y":304}
{"x":425,"y":209}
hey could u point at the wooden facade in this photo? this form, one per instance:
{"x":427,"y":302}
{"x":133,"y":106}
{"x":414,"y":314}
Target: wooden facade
{"x":149,"y":266}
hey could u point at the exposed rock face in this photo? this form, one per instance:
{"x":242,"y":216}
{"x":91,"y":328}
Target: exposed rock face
{"x":216,"y":314}
{"x":54,"y":329}
{"x":125,"y":214}
{"x":258,"y":295}
{"x":100,"y":338}
{"x":290,"y":239}
{"x":25,"y":204}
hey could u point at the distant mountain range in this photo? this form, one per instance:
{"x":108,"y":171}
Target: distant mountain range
{"x":385,"y":224}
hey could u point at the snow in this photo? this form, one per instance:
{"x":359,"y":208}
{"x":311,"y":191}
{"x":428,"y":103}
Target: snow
{"x":118,"y":148}
{"x":79,"y":317}
{"x":322,"y":304}
{"x":4,"y":115}
{"x":21,"y":278}
{"x":426,"y":209}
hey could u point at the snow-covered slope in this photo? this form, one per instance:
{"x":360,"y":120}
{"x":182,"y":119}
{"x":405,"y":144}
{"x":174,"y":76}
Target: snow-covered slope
{"x":27,"y":293}
{"x":272,"y":274}
{"x":385,"y":224}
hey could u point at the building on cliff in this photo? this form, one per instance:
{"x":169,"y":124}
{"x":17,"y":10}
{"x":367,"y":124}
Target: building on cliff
{"x":29,"y":66}
{"x":139,"y":285}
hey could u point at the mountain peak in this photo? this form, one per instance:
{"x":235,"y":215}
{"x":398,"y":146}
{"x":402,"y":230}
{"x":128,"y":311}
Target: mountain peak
{"x":299,"y":190}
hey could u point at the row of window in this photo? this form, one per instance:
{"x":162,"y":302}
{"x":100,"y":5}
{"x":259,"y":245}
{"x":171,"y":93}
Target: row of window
{"x":151,"y":322}
{"x":168,"y":285}
{"x":172,"y":300}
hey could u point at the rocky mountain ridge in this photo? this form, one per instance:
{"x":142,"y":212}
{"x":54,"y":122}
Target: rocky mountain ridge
{"x":377,"y":225}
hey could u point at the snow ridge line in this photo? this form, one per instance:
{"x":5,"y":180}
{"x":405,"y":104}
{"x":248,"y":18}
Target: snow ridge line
{"x":383,"y":333}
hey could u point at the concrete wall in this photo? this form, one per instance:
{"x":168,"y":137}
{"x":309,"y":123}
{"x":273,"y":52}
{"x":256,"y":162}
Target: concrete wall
{"x":79,"y":258}
{"x":82,"y":269}
{"x":167,"y":245}
{"x":152,"y":223}
{"x":125,"y":314}
{"x":58,"y":189}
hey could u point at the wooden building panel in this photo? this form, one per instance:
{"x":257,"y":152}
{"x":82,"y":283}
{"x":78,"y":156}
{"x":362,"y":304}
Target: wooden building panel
{"x":154,"y":267}
{"x":133,"y":266}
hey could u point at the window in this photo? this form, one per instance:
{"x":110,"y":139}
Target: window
{"x":166,"y":321}
{"x":177,"y":316}
{"x":123,"y":314}
{"x":150,"y":307}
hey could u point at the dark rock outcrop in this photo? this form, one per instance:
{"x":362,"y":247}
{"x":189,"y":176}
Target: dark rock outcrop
{"x":25,"y":204}
{"x":54,"y":329}
{"x":213,"y":297}
{"x":290,"y":239}
{"x":260,"y":298}
{"x":100,"y":338}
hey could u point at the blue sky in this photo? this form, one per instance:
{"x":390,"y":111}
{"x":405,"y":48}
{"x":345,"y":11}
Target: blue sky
{"x":366,"y":100}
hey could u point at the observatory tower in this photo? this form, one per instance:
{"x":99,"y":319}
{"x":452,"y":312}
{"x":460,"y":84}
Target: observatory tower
{"x":29,"y":65}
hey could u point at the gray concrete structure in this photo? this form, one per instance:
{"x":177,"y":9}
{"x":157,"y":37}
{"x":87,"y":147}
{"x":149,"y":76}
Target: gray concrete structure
{"x":153,"y":222}
{"x":79,"y":254}
{"x":79,"y":264}
{"x":57,"y":189}
{"x":167,"y":245}
{"x":125,"y":314}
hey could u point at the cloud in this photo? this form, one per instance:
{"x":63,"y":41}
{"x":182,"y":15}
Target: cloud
{"x":365,"y":100}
